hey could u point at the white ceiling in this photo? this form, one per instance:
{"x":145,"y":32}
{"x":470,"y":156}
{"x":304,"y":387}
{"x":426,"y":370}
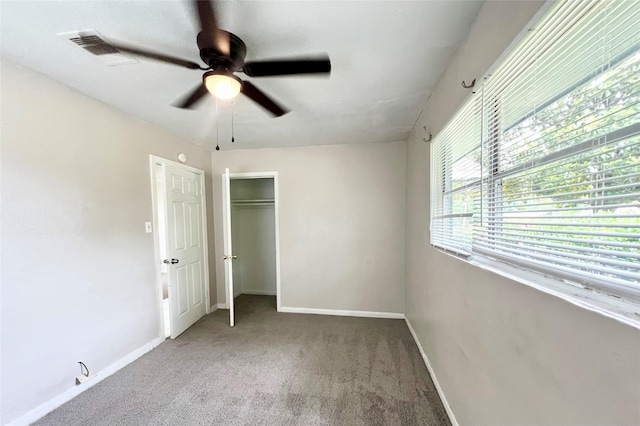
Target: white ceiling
{"x":385,"y":55}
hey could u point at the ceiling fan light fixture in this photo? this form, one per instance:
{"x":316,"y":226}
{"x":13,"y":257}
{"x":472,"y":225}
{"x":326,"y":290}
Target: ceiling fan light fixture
{"x":222,"y":85}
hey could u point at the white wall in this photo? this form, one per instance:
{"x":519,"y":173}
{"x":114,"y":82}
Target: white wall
{"x":342,"y":220}
{"x":78,"y":275}
{"x":505,"y":353}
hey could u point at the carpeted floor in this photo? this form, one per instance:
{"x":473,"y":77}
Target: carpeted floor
{"x":271,"y":369}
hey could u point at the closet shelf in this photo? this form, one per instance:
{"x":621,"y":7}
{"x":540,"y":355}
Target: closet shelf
{"x":256,"y":202}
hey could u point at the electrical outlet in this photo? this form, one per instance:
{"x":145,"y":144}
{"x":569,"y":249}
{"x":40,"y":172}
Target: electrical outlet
{"x":147,"y":227}
{"x":82,"y":378}
{"x":85,"y":374}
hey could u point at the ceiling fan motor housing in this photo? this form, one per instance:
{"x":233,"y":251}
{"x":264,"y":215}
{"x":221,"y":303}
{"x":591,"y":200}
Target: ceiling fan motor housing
{"x":214,"y":59}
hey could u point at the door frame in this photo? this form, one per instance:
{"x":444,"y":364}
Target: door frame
{"x":153,"y":161}
{"x":276,"y":208}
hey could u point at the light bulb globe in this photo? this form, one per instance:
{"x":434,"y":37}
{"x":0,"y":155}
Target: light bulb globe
{"x":222,"y":85}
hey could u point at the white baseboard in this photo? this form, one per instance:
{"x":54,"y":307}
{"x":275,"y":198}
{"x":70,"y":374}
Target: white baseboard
{"x":259,"y":292}
{"x":43,"y":409}
{"x":213,"y":308}
{"x":223,"y":306}
{"x":342,"y":313}
{"x":443,"y":398}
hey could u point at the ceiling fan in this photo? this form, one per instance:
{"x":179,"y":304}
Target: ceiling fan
{"x":223,"y":54}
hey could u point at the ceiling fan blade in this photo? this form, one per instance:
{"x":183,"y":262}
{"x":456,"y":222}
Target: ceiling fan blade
{"x":258,"y":96}
{"x":318,"y":65}
{"x":157,"y":56}
{"x":210,"y":36}
{"x":194,"y":96}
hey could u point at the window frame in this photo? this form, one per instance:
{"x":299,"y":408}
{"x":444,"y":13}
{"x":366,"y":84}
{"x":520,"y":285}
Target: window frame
{"x":550,"y":277}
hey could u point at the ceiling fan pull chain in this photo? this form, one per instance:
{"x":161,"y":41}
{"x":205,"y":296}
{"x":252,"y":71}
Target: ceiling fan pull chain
{"x":217,"y":126}
{"x":233,"y":139}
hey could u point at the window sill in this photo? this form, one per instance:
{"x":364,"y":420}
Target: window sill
{"x":621,"y":310}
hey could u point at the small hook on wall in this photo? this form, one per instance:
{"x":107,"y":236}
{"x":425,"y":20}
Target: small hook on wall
{"x":428,"y":133}
{"x":469,"y":86}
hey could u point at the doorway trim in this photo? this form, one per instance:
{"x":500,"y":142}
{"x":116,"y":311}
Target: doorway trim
{"x":153,"y":161}
{"x":276,"y":208}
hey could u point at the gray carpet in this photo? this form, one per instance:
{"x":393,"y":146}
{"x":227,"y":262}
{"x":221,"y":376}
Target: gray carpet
{"x":271,"y":369}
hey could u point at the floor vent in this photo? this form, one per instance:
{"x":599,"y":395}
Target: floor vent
{"x":96,"y":45}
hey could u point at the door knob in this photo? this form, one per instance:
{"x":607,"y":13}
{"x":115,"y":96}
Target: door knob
{"x":172,"y":261}
{"x":233,"y":256}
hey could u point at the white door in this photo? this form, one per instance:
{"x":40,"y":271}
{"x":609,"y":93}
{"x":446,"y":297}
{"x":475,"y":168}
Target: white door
{"x":228,"y":251}
{"x":185,"y":247}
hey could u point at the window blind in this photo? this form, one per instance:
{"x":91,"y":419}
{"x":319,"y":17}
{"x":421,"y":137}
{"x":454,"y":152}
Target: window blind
{"x":456,"y":179}
{"x":559,"y":122}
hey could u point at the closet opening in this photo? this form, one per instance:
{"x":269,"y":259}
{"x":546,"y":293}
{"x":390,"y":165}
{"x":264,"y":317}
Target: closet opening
{"x":254,"y":240}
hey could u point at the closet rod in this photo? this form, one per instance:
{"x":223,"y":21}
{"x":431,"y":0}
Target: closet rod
{"x":252,"y":202}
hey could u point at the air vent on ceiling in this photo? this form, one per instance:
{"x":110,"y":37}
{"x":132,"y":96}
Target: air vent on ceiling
{"x":97,"y":45}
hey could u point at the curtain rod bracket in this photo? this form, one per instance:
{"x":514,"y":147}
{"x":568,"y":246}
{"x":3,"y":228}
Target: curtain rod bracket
{"x":469,"y":86}
{"x":428,"y":133}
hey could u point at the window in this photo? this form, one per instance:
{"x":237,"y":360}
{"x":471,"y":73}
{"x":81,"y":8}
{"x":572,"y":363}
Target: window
{"x":541,"y":167}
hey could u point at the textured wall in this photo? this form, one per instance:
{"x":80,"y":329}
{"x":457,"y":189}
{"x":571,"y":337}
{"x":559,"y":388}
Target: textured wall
{"x":505,"y":353}
{"x":78,"y":273}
